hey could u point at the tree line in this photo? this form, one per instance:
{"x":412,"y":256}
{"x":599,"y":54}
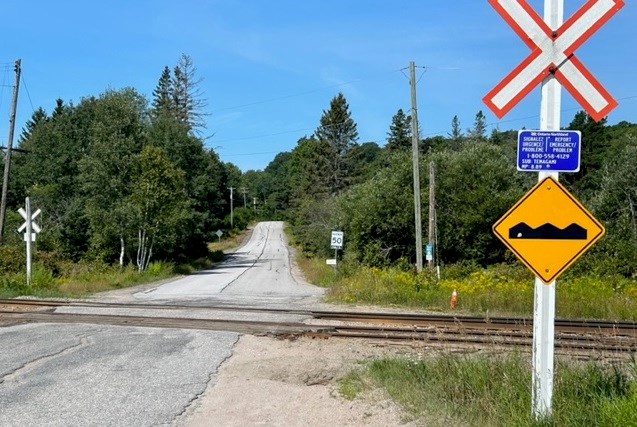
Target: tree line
{"x":329,"y":181}
{"x":123,"y":179}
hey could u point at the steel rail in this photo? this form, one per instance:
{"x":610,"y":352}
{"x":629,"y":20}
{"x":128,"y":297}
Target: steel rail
{"x":599,"y":327}
{"x":431,"y":334}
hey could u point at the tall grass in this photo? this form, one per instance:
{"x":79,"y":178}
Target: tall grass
{"x":496,"y":391}
{"x":505,"y":289}
{"x":80,"y":279}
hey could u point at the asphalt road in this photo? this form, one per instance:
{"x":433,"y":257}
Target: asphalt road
{"x":258,"y":273}
{"x":87,"y":375}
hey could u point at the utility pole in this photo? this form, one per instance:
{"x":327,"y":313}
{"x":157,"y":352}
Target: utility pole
{"x":415,"y":153}
{"x":7,"y":157}
{"x":432,"y":213}
{"x":231,"y":219}
{"x":244,"y":191}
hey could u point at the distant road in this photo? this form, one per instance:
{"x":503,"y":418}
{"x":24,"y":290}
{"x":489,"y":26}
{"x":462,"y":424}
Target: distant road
{"x":258,"y":273}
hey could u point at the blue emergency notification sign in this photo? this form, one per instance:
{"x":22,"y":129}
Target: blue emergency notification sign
{"x":556,"y":151}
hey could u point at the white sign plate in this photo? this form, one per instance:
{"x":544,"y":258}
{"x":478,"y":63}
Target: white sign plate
{"x":337,"y":240}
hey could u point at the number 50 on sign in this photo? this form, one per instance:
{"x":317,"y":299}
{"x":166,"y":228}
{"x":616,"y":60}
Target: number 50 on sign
{"x":337,"y":240}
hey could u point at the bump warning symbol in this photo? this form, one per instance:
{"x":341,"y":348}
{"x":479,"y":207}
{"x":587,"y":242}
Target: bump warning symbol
{"x":548,"y":229}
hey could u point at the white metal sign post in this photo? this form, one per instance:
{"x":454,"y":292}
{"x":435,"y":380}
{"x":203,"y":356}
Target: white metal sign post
{"x":553,"y":64}
{"x":30,"y":228}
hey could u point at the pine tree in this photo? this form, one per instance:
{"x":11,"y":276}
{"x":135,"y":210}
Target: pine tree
{"x":595,"y":148}
{"x":338,"y":130}
{"x":39,"y":116}
{"x":479,"y":130}
{"x":456,"y":132}
{"x":163,"y":96}
{"x":399,"y":135}
{"x":187,"y":97}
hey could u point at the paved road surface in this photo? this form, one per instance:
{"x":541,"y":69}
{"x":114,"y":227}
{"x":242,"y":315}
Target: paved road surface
{"x":258,"y":273}
{"x":86,"y":375}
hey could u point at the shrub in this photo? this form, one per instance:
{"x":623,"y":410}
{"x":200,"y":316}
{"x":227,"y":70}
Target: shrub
{"x":12,"y":259}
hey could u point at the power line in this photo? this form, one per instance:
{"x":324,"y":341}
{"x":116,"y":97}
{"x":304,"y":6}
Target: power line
{"x":297,"y":94}
{"x":24,"y":83}
{"x":429,"y":134}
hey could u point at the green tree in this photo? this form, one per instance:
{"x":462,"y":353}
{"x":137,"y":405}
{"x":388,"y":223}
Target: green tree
{"x":595,"y":148}
{"x":158,"y":201}
{"x":479,"y":130}
{"x":474,"y":188}
{"x":364,"y":161}
{"x":278,"y":193}
{"x":116,"y":137}
{"x":616,"y":205}
{"x":399,"y":136}
{"x":338,"y":130}
{"x":49,"y":174}
{"x":378,"y":215}
{"x":310,"y":171}
{"x":39,"y":116}
{"x":163,"y":102}
{"x":456,"y":131}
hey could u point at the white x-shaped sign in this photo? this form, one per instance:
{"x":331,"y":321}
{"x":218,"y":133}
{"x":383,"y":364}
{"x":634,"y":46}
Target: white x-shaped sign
{"x":553,"y":53}
{"x":34,"y":226}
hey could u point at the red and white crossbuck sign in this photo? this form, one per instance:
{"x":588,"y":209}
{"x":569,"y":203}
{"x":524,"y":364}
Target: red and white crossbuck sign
{"x":553,"y":53}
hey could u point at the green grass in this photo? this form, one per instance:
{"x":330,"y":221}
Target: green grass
{"x":59,"y":278}
{"x":79,"y":280}
{"x":496,"y":391}
{"x":500,"y":290}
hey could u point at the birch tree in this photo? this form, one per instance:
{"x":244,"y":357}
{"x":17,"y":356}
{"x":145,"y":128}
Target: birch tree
{"x":159,"y":203}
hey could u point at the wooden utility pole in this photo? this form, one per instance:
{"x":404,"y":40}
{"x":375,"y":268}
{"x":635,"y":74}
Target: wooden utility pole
{"x":432,"y":213}
{"x":415,"y":153}
{"x":244,"y":191}
{"x":231,"y":213}
{"x":7,"y":157}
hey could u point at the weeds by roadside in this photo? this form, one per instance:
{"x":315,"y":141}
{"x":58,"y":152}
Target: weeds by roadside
{"x":496,"y":391}
{"x":500,"y":290}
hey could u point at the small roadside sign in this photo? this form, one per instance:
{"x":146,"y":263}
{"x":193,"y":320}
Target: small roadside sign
{"x":429,"y":253}
{"x":330,"y":261}
{"x":337,"y":240}
{"x":556,"y":151}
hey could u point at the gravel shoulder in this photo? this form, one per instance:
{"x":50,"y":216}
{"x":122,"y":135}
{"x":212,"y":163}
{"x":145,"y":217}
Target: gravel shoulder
{"x":273,"y":382}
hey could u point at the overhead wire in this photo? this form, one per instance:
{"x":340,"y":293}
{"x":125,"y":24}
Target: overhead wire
{"x":24,"y":84}
{"x":302,"y":93}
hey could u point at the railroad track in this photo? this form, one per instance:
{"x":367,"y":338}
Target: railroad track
{"x":570,"y":335}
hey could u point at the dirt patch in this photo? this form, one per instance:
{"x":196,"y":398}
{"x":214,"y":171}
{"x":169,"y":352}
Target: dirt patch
{"x":276,"y":382}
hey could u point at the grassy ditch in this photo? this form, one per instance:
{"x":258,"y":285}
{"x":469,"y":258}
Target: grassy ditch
{"x":82,"y":279}
{"x":496,"y":391}
{"x":505,"y":289}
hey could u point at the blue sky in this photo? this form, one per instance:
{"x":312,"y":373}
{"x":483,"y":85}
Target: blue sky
{"x":270,"y":68}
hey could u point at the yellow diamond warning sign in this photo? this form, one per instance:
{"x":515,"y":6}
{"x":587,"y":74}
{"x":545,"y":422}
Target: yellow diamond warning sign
{"x":548,"y":229}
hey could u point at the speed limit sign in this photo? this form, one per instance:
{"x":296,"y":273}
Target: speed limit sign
{"x":337,"y":240}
